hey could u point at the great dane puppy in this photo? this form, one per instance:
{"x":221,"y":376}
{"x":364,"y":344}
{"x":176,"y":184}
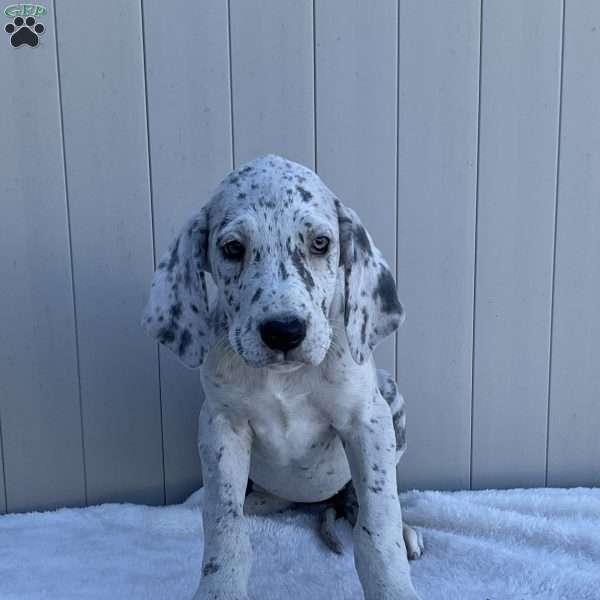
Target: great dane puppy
{"x":293,"y":401}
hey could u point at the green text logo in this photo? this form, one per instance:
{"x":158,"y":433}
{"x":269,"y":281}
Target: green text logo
{"x":25,"y":10}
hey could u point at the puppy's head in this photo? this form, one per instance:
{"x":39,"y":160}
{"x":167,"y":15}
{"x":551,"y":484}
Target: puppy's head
{"x":275,"y":240}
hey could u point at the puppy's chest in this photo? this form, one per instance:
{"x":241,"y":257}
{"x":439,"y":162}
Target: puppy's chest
{"x":288,"y":421}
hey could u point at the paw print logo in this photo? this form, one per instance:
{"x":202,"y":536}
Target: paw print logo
{"x":24,"y":31}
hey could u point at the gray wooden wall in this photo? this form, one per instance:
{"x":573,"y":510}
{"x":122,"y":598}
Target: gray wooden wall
{"x":466,"y":133}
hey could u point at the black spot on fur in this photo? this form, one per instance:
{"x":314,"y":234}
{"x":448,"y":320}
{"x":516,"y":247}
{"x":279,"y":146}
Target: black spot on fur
{"x":184,"y":341}
{"x":237,"y":341}
{"x":304,"y":273}
{"x":386,"y":292}
{"x":187,"y":275}
{"x":362,"y":240}
{"x":256,"y":295}
{"x":306,"y":195}
{"x":175,"y":310}
{"x":283,"y":271}
{"x":166,"y":335}
{"x":363,"y":328}
{"x":210,"y":567}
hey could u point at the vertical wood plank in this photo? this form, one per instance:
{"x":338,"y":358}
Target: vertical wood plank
{"x":437,"y":148}
{"x":574,"y":443}
{"x":273,"y":79}
{"x":102,"y":76}
{"x":2,"y":486}
{"x":520,"y":82}
{"x":356,"y":89}
{"x":39,"y":400}
{"x":190,"y":151}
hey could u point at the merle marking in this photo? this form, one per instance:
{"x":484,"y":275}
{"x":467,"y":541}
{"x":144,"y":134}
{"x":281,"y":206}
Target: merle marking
{"x":294,"y":402}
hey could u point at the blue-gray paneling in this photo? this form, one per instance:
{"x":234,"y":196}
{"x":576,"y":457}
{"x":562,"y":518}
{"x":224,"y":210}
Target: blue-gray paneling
{"x":190,"y":151}
{"x":102,"y":79}
{"x":39,"y":399}
{"x":518,"y":139}
{"x":437,"y":157}
{"x":272,"y":79}
{"x":356,"y":109}
{"x":574,"y":425}
{"x":442,"y":123}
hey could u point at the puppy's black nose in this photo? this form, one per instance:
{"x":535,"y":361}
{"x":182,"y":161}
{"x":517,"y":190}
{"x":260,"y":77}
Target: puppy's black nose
{"x":283,"y":333}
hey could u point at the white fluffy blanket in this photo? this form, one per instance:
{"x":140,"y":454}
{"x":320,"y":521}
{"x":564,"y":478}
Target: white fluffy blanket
{"x":493,"y":545}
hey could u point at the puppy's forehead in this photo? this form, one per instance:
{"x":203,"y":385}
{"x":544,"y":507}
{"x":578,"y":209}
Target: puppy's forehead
{"x":270,"y":186}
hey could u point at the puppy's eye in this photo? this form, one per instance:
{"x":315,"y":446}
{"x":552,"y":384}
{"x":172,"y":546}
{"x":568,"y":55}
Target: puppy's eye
{"x":320,"y":245}
{"x":233,"y":250}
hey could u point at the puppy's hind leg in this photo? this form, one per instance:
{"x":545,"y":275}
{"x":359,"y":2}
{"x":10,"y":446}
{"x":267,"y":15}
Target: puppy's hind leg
{"x":344,"y":504}
{"x":413,"y":539}
{"x":259,"y":502}
{"x":328,"y":532}
{"x":389,"y":390}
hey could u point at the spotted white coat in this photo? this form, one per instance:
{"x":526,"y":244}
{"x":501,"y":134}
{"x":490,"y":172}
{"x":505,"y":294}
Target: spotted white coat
{"x":301,"y":423}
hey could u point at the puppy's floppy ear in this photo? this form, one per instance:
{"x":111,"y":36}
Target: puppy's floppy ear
{"x":372,"y":310}
{"x":177,"y":312}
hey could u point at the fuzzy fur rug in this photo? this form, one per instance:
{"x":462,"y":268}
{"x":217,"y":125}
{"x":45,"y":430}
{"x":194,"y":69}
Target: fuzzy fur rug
{"x":489,"y":545}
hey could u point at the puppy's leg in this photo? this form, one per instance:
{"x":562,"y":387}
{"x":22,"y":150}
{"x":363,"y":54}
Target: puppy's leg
{"x":225,"y":456}
{"x":379,"y":550}
{"x":389,"y":390}
{"x":261,"y":502}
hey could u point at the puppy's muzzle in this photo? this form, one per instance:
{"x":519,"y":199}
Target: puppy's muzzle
{"x":283,"y":333}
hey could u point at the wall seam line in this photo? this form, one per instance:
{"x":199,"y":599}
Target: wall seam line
{"x":555,"y":224}
{"x":231,"y":110}
{"x":153,"y":233}
{"x":476,"y":241}
{"x":314,"y":49}
{"x":71,"y":267}
{"x":397,"y":177}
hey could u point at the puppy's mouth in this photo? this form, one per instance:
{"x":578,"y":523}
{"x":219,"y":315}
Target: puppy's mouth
{"x":285,"y":366}
{"x":276,"y":362}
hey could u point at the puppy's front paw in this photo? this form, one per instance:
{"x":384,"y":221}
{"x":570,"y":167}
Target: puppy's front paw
{"x":413,"y":540}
